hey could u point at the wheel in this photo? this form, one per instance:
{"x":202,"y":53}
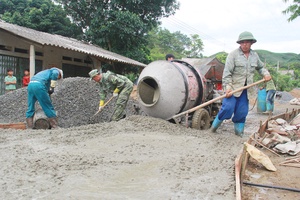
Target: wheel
{"x":201,"y":119}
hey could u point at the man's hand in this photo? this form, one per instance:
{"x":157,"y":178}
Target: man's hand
{"x":51,"y":90}
{"x":267,"y":77}
{"x":228,"y":93}
{"x":115,"y":94}
{"x":100,"y":108}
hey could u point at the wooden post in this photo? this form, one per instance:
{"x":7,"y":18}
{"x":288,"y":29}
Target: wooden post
{"x":32,"y":61}
{"x":40,"y":120}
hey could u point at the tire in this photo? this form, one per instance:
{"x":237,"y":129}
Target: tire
{"x":201,"y":119}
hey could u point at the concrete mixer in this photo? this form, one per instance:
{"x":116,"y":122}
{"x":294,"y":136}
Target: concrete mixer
{"x":166,"y":88}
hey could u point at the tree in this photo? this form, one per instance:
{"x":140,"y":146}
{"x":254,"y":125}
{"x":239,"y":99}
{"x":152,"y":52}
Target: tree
{"x":222,"y":57}
{"x":195,"y":47}
{"x":117,"y":25}
{"x":162,"y":41}
{"x":293,"y":9}
{"x":41,"y":15}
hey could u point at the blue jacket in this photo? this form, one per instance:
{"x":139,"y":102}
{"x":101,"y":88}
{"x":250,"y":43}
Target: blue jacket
{"x":46,"y":76}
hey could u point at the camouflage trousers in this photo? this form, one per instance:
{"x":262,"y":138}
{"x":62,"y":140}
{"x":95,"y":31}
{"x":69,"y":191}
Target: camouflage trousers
{"x":122,"y":102}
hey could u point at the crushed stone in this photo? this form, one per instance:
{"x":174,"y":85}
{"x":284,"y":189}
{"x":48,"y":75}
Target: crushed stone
{"x":75,"y":100}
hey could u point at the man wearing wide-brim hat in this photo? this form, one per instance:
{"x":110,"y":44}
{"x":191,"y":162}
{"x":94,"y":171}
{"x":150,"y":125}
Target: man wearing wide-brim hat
{"x":238,"y":72}
{"x":119,"y":85}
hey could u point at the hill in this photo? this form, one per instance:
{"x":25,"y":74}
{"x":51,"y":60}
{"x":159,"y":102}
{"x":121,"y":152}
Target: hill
{"x":283,"y":58}
{"x":272,"y":58}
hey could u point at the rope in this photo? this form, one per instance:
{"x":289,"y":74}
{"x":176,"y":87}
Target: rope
{"x":253,"y":104}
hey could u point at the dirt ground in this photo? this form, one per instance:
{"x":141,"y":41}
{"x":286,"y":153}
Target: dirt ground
{"x":284,"y":177}
{"x":138,"y":157}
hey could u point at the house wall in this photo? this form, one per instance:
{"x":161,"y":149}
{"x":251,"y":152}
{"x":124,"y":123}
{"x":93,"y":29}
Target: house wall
{"x":15,"y":53}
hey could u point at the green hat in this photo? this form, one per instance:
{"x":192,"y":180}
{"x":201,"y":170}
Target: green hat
{"x":93,"y":73}
{"x":246,"y":36}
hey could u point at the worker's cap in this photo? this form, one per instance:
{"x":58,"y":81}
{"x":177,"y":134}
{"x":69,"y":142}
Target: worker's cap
{"x":246,"y":36}
{"x":93,"y":73}
{"x":61,"y":72}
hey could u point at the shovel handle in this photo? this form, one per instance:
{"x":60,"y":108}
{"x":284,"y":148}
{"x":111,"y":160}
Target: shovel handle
{"x":104,"y":105}
{"x":218,"y":98}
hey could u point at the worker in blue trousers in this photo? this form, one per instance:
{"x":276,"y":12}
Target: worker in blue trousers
{"x":239,"y":70}
{"x":40,"y":87}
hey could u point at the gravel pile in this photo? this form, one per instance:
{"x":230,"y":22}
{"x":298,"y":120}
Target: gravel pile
{"x":284,"y":96}
{"x":75,"y":100}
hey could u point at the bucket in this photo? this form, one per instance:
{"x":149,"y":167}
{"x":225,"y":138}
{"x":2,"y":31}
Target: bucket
{"x":261,"y":100}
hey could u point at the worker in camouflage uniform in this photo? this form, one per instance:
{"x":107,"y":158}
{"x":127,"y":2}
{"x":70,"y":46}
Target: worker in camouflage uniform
{"x":239,"y":70}
{"x":121,"y":87}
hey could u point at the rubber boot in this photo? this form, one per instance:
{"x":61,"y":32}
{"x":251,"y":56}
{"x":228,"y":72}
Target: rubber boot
{"x":53,"y":123}
{"x":269,"y":108}
{"x":29,"y":122}
{"x":239,"y":129}
{"x":216,"y":123}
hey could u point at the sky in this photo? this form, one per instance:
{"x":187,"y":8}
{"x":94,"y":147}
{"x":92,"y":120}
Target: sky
{"x":219,"y":23}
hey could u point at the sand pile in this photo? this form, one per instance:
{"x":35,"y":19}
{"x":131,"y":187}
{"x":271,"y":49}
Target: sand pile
{"x":76,"y":100}
{"x":295,"y":92}
{"x":138,"y":157}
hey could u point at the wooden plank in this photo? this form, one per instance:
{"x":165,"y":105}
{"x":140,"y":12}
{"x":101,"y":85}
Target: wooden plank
{"x":241,"y":161}
{"x":19,"y":125}
{"x":238,"y":168}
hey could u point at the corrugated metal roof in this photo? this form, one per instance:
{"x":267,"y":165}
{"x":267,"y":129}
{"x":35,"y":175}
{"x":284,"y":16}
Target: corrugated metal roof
{"x":66,"y":43}
{"x":200,"y":63}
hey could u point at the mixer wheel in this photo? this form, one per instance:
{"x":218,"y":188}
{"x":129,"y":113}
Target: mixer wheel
{"x":201,"y":119}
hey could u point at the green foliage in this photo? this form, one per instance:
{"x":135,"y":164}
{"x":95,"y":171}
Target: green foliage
{"x":283,"y":82}
{"x":296,"y":67}
{"x":293,"y":10}
{"x":120,"y":26}
{"x":221,"y":56}
{"x":41,"y":15}
{"x":162,"y":42}
{"x":194,"y":47}
{"x":132,"y":76}
{"x":284,"y":59}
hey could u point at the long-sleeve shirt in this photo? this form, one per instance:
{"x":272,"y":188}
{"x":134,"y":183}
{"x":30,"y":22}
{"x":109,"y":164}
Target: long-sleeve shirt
{"x":46,"y":76}
{"x":110,"y":81}
{"x":239,"y":70}
{"x":25,"y":81}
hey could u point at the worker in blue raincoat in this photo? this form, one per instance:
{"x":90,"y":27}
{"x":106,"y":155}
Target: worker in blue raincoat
{"x":40,"y":87}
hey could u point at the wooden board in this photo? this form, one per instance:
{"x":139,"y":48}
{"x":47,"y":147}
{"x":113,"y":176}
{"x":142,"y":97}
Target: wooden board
{"x":242,"y":160}
{"x":19,"y":125}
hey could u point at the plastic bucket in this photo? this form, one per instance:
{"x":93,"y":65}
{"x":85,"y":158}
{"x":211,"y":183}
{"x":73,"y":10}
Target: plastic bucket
{"x":261,"y":100}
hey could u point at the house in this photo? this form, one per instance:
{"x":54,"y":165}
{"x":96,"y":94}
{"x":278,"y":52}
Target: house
{"x":22,"y":48}
{"x":211,"y":68}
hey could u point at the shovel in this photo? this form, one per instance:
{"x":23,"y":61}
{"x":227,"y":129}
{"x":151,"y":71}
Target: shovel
{"x":103,"y":106}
